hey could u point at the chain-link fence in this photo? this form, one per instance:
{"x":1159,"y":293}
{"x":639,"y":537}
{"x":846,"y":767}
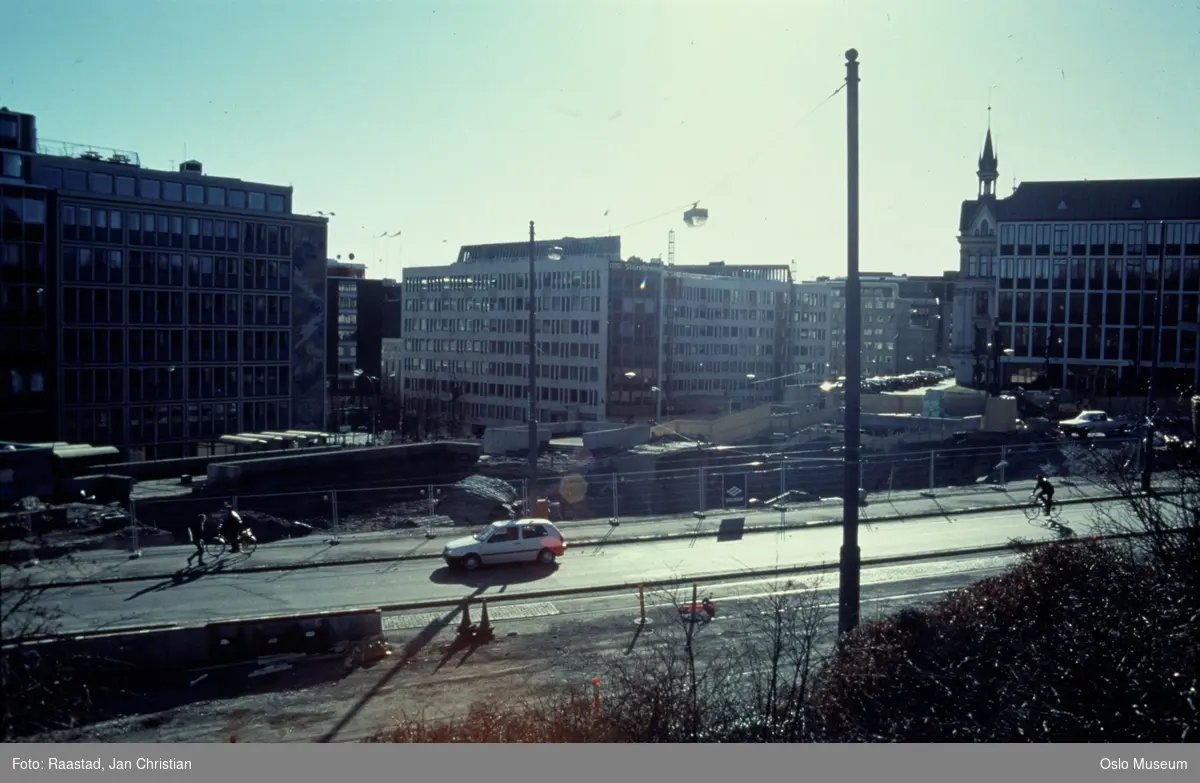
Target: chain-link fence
{"x":738,"y":481}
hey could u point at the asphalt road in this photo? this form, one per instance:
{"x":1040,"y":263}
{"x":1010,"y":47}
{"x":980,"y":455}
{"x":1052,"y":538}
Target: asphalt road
{"x":214,"y":595}
{"x":539,"y":644}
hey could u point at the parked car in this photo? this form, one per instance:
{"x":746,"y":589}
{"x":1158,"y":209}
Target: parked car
{"x":507,"y":541}
{"x":1092,"y":423}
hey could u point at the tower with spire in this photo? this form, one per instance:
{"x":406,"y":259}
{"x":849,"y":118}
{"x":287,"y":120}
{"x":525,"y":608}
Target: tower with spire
{"x":989,"y":164}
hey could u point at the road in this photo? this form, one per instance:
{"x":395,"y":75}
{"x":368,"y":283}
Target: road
{"x":161,"y":562}
{"x":543,"y":644}
{"x":213,"y":595}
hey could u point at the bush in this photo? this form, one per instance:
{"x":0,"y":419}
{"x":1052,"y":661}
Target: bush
{"x":1081,"y":643}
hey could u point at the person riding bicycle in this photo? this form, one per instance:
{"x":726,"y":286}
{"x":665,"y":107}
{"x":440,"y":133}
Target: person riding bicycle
{"x":231,"y":528}
{"x":1044,"y":491}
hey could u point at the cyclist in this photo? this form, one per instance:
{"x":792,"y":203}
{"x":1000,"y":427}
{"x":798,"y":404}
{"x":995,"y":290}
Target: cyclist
{"x":231,"y":528}
{"x":1044,"y":491}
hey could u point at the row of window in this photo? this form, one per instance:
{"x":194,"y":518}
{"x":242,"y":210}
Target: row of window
{"x":559,"y":281}
{"x":159,"y":423}
{"x":505,"y":391}
{"x":145,"y":384}
{"x":733,"y":296}
{"x":1128,"y":344}
{"x":15,"y":209}
{"x":144,"y":268}
{"x":510,"y":304}
{"x":547,"y":371}
{"x":572,"y":350}
{"x":130,"y":186}
{"x":720,"y":349}
{"x":166,"y":346}
{"x":702,"y":331}
{"x":479,"y":326}
{"x":147,"y":229}
{"x":1098,"y":239}
{"x":1097,"y":308}
{"x":108,"y":306}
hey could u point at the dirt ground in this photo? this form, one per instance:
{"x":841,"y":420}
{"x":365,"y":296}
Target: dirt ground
{"x":425,"y":674}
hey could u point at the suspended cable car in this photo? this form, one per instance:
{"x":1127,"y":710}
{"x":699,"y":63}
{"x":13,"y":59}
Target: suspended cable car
{"x":696,"y":216}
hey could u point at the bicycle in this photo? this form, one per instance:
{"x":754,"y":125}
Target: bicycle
{"x":1035,"y":512}
{"x":217,"y":545}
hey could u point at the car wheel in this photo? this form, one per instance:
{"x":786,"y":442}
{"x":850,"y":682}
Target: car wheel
{"x":545,"y":557}
{"x":472,"y":562}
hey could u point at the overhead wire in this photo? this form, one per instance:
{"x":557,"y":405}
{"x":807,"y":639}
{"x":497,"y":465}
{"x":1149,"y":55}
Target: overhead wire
{"x":763,"y":150}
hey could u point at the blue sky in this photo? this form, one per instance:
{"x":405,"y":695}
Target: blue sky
{"x":458,"y":122}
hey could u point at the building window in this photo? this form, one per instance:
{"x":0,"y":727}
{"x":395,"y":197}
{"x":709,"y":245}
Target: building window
{"x":216,"y":197}
{"x":1008,"y":239}
{"x":48,"y":177}
{"x":237,"y":199}
{"x":126,"y":186}
{"x":258,"y":201}
{"x":76,"y":180}
{"x":151,"y":188}
{"x":1060,"y":240}
{"x":173,"y":191}
{"x":195,"y":194}
{"x":100,"y":183}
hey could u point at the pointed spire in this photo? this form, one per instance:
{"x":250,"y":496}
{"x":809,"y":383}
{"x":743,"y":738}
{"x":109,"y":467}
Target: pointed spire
{"x":989,"y":164}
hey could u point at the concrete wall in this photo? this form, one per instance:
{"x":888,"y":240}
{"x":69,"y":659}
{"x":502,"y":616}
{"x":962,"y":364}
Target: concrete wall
{"x":616,"y":438}
{"x":150,"y":470}
{"x":233,"y":641}
{"x":26,"y":471}
{"x":292,"y":470}
{"x":756,"y":423}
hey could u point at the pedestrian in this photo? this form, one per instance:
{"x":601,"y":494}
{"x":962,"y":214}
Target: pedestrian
{"x":196,"y":531}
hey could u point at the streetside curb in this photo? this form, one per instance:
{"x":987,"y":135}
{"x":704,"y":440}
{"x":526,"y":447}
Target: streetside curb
{"x":591,"y":542}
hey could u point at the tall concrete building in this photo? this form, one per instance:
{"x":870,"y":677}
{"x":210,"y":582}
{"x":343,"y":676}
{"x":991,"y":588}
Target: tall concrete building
{"x":1059,"y":284}
{"x":616,"y":339}
{"x":176,"y":306}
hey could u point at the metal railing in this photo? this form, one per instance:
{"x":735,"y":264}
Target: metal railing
{"x":740,"y":481}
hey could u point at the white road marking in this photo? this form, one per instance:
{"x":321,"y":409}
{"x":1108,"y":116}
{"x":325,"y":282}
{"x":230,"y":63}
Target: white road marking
{"x":402,"y":622}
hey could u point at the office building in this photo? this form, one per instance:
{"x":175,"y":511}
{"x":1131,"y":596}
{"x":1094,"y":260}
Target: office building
{"x":355,"y":335}
{"x":810,"y":333}
{"x":1059,"y":284}
{"x":391,"y":332}
{"x":726,"y":335}
{"x":465,"y":357}
{"x":27,"y":333}
{"x":182,"y":306}
{"x":616,"y":339}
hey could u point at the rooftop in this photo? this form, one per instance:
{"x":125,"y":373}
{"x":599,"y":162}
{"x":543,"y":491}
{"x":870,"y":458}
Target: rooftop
{"x":1088,"y":200}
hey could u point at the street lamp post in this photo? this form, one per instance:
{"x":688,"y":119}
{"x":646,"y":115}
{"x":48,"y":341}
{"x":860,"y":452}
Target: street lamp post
{"x":1148,"y":444}
{"x":553,"y":255}
{"x":375,"y":392}
{"x":851,"y":556}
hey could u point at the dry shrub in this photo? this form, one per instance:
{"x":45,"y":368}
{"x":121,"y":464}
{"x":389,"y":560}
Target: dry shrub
{"x":1081,"y":643}
{"x":561,"y":716}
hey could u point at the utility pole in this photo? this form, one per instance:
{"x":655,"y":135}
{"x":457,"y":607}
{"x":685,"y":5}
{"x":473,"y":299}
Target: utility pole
{"x":851,"y":557}
{"x":1148,"y":443}
{"x":531,"y":488}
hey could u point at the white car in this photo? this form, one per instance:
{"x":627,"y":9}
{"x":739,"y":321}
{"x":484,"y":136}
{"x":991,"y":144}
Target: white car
{"x":508,"y":541}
